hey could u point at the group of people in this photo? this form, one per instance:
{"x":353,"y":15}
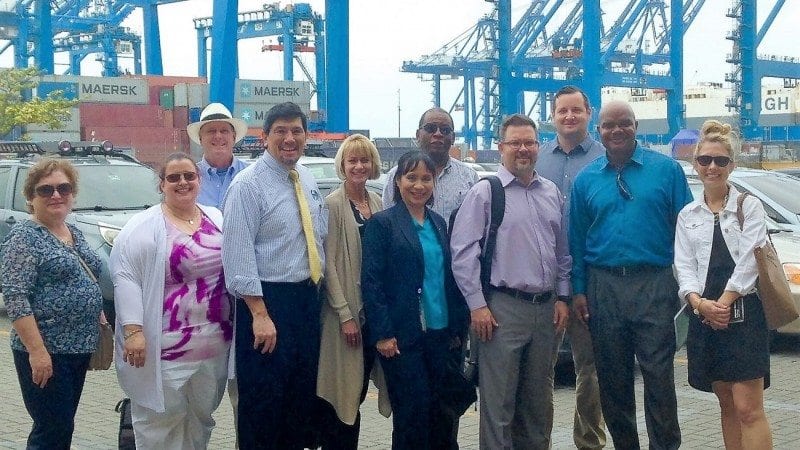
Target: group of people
{"x":296,"y":302}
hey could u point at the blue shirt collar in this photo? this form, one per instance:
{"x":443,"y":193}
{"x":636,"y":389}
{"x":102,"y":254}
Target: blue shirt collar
{"x":582,"y":147}
{"x":637,"y":157}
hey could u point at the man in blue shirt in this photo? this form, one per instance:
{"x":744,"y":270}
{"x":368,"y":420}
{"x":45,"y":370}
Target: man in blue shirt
{"x":623,"y":211}
{"x":559,"y":161}
{"x":217,"y":131}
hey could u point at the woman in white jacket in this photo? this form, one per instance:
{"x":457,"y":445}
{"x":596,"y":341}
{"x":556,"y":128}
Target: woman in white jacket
{"x":728,"y":343}
{"x":174,"y":317}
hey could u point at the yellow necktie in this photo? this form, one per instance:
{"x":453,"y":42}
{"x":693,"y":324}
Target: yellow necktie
{"x":308,"y":229}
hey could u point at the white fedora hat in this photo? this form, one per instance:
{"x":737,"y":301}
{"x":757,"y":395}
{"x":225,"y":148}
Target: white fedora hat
{"x":216,"y":112}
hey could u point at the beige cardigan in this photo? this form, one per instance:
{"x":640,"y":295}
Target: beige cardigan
{"x":341,"y":367}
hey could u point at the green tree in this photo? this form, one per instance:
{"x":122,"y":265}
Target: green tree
{"x":14,"y":110}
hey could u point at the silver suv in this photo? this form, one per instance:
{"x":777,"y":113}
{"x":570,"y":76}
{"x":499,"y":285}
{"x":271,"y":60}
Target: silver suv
{"x":112,"y":187}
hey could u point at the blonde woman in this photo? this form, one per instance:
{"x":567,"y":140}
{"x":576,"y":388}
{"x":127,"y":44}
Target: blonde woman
{"x":345,"y":361}
{"x":728,"y":343}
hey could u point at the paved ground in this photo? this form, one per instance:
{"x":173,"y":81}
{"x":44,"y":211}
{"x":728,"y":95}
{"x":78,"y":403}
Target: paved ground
{"x":699,"y":417}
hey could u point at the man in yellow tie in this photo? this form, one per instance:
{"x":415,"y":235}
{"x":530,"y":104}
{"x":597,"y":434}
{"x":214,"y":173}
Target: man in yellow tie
{"x":275,"y":223}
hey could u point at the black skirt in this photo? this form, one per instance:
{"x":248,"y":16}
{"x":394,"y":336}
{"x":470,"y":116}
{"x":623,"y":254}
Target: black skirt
{"x":738,"y":353}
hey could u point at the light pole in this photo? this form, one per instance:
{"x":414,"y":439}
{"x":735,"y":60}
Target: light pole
{"x":398,"y":113}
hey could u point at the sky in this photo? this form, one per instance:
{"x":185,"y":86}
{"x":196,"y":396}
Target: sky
{"x":385,"y":33}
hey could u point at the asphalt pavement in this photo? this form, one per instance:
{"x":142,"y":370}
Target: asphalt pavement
{"x":97,"y":423}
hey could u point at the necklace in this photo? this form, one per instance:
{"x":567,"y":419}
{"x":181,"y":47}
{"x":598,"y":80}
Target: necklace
{"x":190,"y":221}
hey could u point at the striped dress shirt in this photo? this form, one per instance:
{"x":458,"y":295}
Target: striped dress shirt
{"x":263,"y":239}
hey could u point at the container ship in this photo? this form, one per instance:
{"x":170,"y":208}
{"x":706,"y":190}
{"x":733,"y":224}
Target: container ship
{"x":780,"y":105}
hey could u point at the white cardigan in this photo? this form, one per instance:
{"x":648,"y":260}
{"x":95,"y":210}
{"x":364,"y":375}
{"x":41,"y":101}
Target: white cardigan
{"x":694,"y":235}
{"x":137,"y":264}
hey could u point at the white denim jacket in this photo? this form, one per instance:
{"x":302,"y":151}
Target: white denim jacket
{"x":695,"y":233}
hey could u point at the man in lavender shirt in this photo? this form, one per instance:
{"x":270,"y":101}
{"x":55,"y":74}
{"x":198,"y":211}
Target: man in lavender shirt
{"x":518,"y":315}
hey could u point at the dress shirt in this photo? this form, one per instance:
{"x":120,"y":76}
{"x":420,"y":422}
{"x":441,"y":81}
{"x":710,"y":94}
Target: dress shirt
{"x":531,"y":253}
{"x":609,"y":230}
{"x":214,"y":184}
{"x":434,"y":301}
{"x":263,"y":239}
{"x":694,"y":235}
{"x":451,"y":185}
{"x":562,"y":168}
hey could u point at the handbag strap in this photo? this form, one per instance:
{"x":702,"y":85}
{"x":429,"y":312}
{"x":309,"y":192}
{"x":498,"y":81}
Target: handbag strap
{"x":739,"y":212}
{"x":84,"y":265}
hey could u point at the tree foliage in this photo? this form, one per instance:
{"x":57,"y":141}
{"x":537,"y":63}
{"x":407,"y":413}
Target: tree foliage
{"x":15,"y":110}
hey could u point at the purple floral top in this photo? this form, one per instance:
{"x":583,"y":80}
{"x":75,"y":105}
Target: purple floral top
{"x":197,"y":322}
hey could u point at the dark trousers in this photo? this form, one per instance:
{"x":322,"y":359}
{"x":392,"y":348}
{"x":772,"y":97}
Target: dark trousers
{"x":339,"y":435}
{"x":278,"y":407}
{"x":53,"y":407}
{"x":413,"y":379}
{"x":632,"y":316}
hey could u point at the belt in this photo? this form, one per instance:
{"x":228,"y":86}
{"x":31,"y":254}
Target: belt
{"x":541,"y":297}
{"x":627,"y":271}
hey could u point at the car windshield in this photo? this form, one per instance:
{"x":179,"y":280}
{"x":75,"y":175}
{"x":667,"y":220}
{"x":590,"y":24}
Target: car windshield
{"x":110,"y":187}
{"x":321,"y":169}
{"x":782,"y":189}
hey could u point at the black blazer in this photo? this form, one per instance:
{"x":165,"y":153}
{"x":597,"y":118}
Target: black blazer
{"x":392,"y":271}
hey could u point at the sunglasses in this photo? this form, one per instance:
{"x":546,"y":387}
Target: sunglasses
{"x":720,"y":161}
{"x":176,"y":177}
{"x":432,"y":127}
{"x":624,"y":190}
{"x":47,"y":190}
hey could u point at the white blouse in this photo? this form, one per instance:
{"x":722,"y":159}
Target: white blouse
{"x":695,"y":233}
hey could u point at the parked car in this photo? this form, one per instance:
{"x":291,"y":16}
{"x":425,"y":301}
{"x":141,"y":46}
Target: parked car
{"x":777,"y":191}
{"x":112,"y":188}
{"x":787,"y":245}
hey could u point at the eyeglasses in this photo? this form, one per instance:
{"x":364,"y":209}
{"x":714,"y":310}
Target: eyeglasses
{"x":432,"y":127}
{"x":516,"y":145}
{"x":624,"y":190}
{"x":720,"y":161}
{"x":176,"y":177}
{"x":47,"y":190}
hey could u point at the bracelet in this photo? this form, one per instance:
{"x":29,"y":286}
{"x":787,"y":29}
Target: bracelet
{"x":127,"y":335}
{"x":697,"y":308}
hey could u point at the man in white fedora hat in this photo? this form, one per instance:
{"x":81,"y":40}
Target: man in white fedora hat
{"x":217,"y":131}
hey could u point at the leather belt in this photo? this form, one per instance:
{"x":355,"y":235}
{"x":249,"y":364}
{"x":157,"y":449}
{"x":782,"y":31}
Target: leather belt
{"x":627,"y":271}
{"x":541,"y":297}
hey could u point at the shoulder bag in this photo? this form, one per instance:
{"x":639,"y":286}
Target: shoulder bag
{"x":103,"y":356}
{"x":773,"y":289}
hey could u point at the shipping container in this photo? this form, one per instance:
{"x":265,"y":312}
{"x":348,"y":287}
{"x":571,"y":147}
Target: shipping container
{"x":169,"y":120}
{"x":198,"y":95}
{"x":73,"y":123}
{"x":169,"y":81}
{"x":180,"y":117}
{"x":105,"y":89}
{"x":181,"y":95}
{"x":255,"y":113}
{"x":110,"y":115}
{"x":166,"y":98}
{"x":166,"y":139}
{"x":272,"y":91}
{"x":194,"y":114}
{"x":68,"y":90}
{"x":52,"y":136}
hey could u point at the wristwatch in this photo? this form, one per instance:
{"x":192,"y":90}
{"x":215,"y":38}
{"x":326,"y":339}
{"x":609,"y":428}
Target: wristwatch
{"x":696,"y":309}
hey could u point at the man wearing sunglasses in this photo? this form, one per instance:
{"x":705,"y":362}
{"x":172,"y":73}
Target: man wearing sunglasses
{"x":217,"y":131}
{"x":623,"y":211}
{"x":435,"y":136}
{"x":559,"y":161}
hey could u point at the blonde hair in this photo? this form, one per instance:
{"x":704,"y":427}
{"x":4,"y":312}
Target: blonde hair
{"x":714,"y":131}
{"x":360,"y":145}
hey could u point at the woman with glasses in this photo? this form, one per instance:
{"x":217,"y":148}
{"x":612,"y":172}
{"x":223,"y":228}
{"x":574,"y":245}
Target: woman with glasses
{"x":53,"y":302}
{"x":416,"y":316}
{"x":728,"y":342}
{"x":174,"y":324}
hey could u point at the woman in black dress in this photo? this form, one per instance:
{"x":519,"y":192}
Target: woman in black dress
{"x":728,"y":343}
